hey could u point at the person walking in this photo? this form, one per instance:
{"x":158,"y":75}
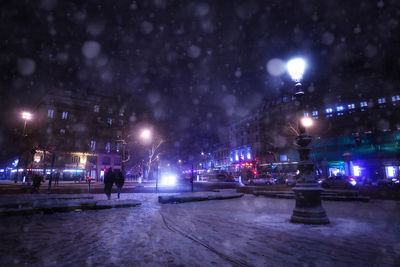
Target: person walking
{"x":36,"y":180}
{"x":109,"y":179}
{"x":119,"y":181}
{"x":57,"y":178}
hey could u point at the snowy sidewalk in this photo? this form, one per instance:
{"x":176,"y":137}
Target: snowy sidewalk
{"x":245,"y":231}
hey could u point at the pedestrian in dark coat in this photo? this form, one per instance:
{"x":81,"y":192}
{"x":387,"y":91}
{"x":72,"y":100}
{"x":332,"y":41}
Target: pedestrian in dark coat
{"x":36,"y":182}
{"x":109,"y":179}
{"x":119,"y":181}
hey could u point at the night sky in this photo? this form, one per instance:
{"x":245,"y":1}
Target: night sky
{"x":197,"y":65}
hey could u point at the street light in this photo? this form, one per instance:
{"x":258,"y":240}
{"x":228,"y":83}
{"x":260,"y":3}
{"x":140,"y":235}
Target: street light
{"x":296,"y":68}
{"x":307,"y":122}
{"x":26,"y":116}
{"x":145,"y":135}
{"x":308,"y":208}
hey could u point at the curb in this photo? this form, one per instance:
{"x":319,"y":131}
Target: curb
{"x":191,"y":198}
{"x":66,"y":206}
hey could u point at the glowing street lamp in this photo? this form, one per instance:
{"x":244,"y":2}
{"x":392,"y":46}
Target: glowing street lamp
{"x":296,"y":68}
{"x":308,"y":208}
{"x":145,"y":135}
{"x":307,"y":122}
{"x":26,"y":116}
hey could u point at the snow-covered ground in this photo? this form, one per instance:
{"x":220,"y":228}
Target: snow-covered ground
{"x":249,"y":231}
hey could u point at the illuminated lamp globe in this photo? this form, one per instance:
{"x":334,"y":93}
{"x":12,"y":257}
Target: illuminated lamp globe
{"x":307,"y":122}
{"x":145,"y":135}
{"x":296,"y":68}
{"x":26,"y":115}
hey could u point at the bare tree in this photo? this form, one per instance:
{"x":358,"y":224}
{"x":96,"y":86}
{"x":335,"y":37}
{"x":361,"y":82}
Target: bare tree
{"x":154,"y":153}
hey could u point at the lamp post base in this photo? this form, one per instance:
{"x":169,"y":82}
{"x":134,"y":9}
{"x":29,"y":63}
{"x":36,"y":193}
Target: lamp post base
{"x":308,"y":208}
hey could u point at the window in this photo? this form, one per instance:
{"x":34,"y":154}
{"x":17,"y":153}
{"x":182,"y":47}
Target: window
{"x":62,"y":131}
{"x":121,"y":112}
{"x":315,"y":113}
{"x":109,"y":121}
{"x":117,"y":161}
{"x":64,"y":115}
{"x":329,"y":110}
{"x":381,"y":100}
{"x":396,"y":98}
{"x":121,"y":122}
{"x":306,"y":114}
{"x":75,"y":159}
{"x":339,"y":108}
{"x":284,"y":99}
{"x":96,"y":108}
{"x":351,"y":106}
{"x":363,"y":104}
{"x":50,"y":113}
{"x":110,"y":111}
{"x":106,"y":160}
{"x":118,"y":147}
{"x":108,"y":147}
{"x":92,"y":145}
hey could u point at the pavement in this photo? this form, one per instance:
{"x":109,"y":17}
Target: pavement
{"x":244,"y":231}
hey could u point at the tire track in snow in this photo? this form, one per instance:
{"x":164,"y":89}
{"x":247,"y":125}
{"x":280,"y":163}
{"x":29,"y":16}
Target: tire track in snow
{"x":230,"y":259}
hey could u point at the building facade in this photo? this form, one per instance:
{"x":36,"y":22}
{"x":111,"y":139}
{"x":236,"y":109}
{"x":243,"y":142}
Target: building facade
{"x":355,"y":137}
{"x":76,"y":134}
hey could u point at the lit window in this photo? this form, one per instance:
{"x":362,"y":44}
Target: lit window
{"x":351,"y":106}
{"x":109,"y":121}
{"x":306,"y":114}
{"x":329,"y":110}
{"x":315,"y":113}
{"x":381,"y":100}
{"x":356,"y":170}
{"x":108,"y":147}
{"x":64,"y":115}
{"x":339,"y":108}
{"x":396,"y":98}
{"x":92,"y":145}
{"x":96,"y":108}
{"x":363,"y":104}
{"x":118,"y":147}
{"x":284,"y":99}
{"x":391,"y":171}
{"x":50,"y":113}
{"x":62,"y":131}
{"x":121,"y":112}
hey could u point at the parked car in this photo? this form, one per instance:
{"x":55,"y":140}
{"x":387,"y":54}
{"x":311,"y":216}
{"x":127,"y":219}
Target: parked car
{"x":339,"y":181}
{"x":389,"y":182}
{"x":260,"y":181}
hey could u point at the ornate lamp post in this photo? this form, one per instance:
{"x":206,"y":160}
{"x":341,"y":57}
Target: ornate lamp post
{"x":308,"y":208}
